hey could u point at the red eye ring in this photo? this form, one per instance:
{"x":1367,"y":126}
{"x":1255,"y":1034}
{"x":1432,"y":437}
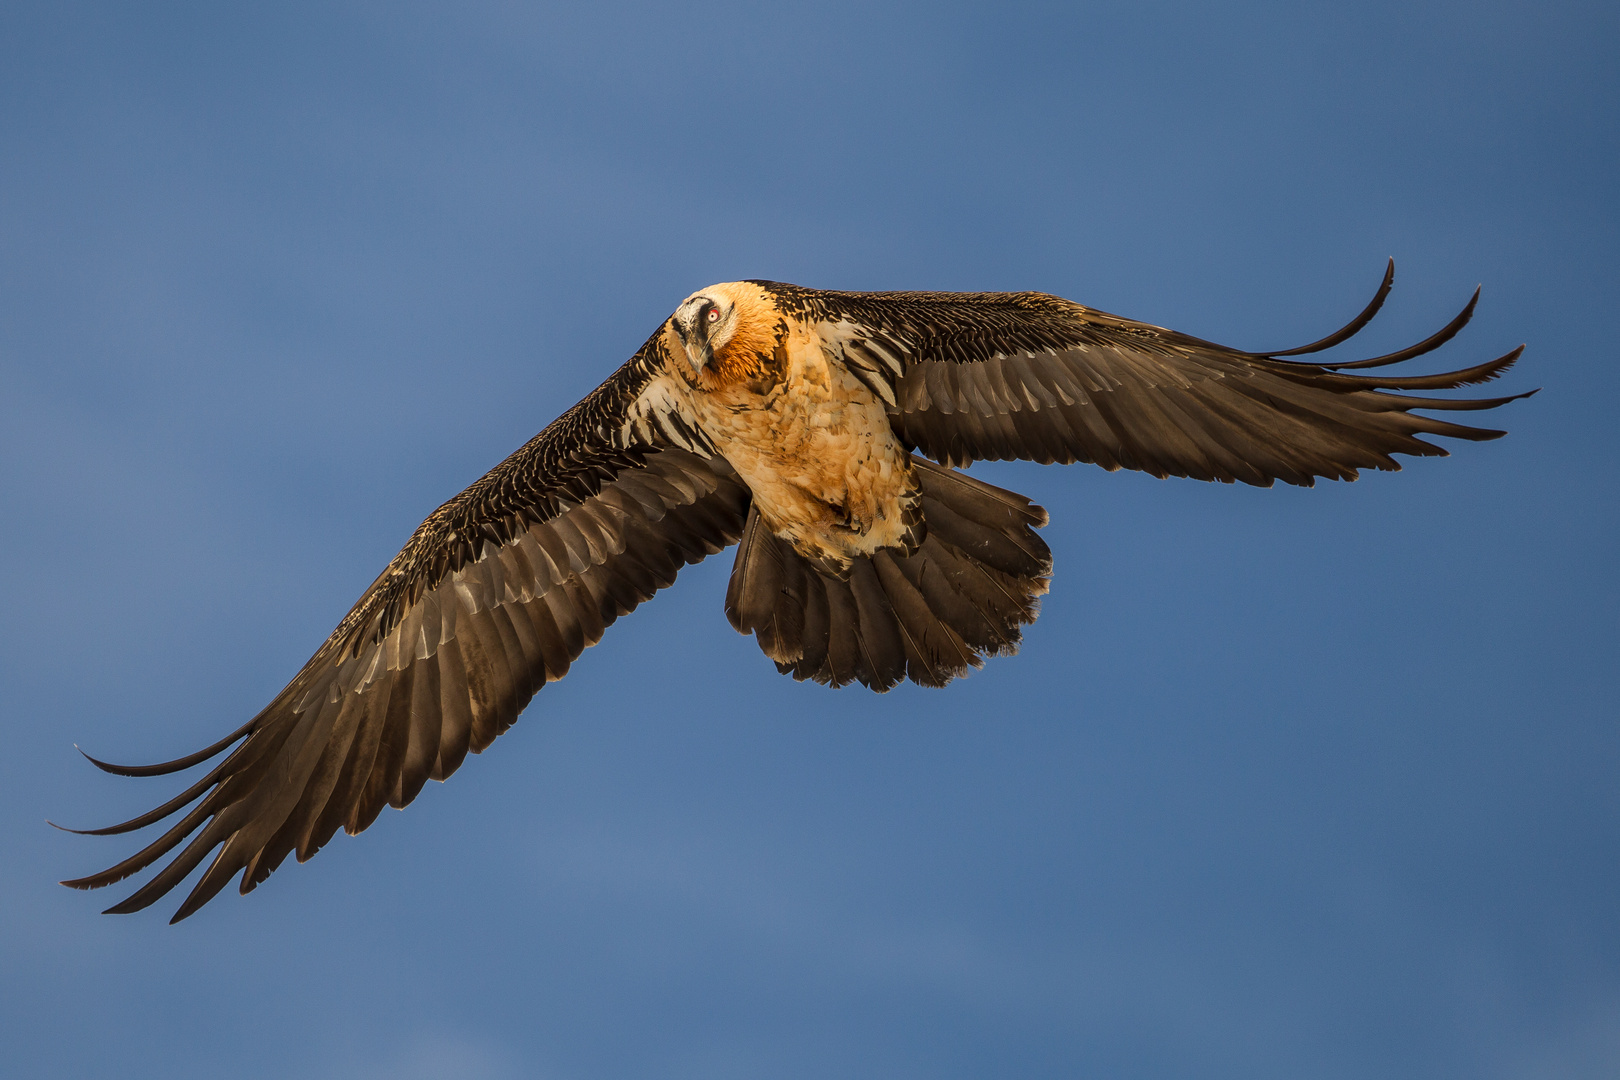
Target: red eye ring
{"x":714,"y":314}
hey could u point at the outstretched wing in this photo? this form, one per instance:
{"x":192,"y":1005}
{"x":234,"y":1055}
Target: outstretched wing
{"x":970,"y":376}
{"x":497,"y":593}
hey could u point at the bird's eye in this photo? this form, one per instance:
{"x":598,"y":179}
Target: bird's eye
{"x":714,"y":314}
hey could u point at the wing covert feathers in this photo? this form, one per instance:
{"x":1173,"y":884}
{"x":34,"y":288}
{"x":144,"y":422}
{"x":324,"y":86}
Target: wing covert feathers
{"x":495,"y":595}
{"x":964,"y":594}
{"x":974,"y":376}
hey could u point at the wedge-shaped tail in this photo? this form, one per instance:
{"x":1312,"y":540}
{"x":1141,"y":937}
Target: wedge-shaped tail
{"x":964,"y":594}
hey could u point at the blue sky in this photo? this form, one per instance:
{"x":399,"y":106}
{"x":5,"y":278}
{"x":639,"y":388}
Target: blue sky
{"x":1284,"y":783}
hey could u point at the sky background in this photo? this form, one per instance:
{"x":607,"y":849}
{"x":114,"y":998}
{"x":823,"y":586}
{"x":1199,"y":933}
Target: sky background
{"x":1284,"y":784}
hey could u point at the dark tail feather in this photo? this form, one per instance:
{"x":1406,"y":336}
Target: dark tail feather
{"x":766,"y":594}
{"x":964,"y":594}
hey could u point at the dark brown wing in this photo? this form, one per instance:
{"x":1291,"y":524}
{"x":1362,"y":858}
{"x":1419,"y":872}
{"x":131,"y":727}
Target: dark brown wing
{"x":972,"y":376}
{"x":496,"y":594}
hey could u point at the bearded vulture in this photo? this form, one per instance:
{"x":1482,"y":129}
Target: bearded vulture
{"x":823,"y":431}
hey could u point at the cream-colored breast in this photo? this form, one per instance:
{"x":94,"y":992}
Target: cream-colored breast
{"x":815,"y":446}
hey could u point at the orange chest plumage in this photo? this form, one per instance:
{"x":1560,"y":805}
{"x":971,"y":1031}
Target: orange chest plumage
{"x":811,"y":441}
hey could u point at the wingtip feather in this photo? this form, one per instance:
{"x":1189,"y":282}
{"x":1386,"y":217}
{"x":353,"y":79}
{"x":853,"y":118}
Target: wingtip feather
{"x":179,"y":764}
{"x":1353,"y":327}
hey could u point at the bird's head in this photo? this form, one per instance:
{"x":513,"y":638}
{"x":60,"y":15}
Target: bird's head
{"x":705,"y":322}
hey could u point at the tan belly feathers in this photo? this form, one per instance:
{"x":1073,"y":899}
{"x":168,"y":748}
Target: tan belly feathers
{"x":812,"y":442}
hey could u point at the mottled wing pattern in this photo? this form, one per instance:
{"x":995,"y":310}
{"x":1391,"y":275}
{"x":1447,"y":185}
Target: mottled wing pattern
{"x":497,"y":593}
{"x":971,"y":376}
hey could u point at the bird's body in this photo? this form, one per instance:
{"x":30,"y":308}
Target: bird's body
{"x":822,"y":432}
{"x":813,"y":443}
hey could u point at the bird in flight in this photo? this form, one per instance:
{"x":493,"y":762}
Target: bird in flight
{"x":822,"y":432}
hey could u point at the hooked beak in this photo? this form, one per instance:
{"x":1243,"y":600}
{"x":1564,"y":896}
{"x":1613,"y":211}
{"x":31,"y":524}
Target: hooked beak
{"x":700,"y":353}
{"x":692,"y":329}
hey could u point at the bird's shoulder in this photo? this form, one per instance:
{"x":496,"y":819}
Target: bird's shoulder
{"x":638,"y":410}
